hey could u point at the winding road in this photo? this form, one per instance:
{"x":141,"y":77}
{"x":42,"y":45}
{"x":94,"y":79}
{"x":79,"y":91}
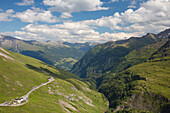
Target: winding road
{"x":25,"y":97}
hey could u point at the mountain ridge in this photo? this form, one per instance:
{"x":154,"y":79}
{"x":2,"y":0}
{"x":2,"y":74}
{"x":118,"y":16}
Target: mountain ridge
{"x":133,"y":74}
{"x":107,"y":50}
{"x":51,"y":52}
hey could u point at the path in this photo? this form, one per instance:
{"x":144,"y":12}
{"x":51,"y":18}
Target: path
{"x":24,"y":99}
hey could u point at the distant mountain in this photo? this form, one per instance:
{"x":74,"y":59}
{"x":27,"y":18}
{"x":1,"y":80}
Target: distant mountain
{"x":20,"y":74}
{"x":51,"y":52}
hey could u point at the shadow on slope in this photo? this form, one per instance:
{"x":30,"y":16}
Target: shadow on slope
{"x":61,"y":74}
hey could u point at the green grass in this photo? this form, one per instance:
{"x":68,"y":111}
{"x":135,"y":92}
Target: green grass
{"x":144,"y":86}
{"x":66,"y":63}
{"x":17,"y":77}
{"x":157,"y":75}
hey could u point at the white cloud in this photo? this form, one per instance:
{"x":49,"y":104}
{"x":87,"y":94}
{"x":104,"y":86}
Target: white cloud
{"x":24,"y":35}
{"x":118,"y":36}
{"x":114,"y":0}
{"x":68,"y":31}
{"x":74,"y":5}
{"x":66,"y":15}
{"x":25,"y":2}
{"x":5,"y":16}
{"x":152,"y":16}
{"x":36,"y":14}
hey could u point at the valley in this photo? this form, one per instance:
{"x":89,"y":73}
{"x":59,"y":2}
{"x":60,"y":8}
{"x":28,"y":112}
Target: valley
{"x":84,"y":56}
{"x":124,"y":76}
{"x":56,"y":53}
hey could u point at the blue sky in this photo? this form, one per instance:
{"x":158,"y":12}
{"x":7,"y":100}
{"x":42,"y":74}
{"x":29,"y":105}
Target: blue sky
{"x":82,"y":20}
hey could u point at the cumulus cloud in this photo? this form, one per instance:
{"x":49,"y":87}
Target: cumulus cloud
{"x":152,"y":16}
{"x":118,"y":36}
{"x":74,"y":5}
{"x":68,"y":31}
{"x":5,"y":16}
{"x":36,"y":14}
{"x":24,"y":35}
{"x":25,"y":2}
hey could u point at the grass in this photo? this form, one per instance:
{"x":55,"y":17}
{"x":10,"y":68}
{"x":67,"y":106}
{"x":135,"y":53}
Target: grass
{"x":66,"y":63}
{"x":17,"y":79}
{"x":157,"y":76}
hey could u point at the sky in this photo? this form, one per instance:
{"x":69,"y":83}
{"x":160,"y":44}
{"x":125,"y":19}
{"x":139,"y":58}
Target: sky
{"x":83,"y":20}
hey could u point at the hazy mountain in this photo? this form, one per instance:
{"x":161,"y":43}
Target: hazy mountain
{"x":51,"y":52}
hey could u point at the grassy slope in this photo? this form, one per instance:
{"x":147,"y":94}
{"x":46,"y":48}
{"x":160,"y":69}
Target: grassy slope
{"x":66,"y":63}
{"x":17,"y":79}
{"x":144,"y":86}
{"x":112,"y":58}
{"x":138,"y":56}
{"x":108,"y":56}
{"x":154,"y":93}
{"x":157,"y":71}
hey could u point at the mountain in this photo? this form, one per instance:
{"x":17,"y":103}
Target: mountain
{"x":48,"y":88}
{"x":133,"y":74}
{"x":114,"y":57}
{"x":143,"y":87}
{"x":50,"y":52}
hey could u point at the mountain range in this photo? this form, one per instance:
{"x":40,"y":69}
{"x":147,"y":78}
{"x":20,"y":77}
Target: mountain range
{"x":133,"y":74}
{"x":114,"y":57}
{"x":56,"y":53}
{"x":125,"y":76}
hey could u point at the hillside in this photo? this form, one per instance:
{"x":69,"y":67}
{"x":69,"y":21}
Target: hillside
{"x":19,"y":74}
{"x":50,"y":52}
{"x":143,"y":87}
{"x":133,"y":74}
{"x":114,"y":57}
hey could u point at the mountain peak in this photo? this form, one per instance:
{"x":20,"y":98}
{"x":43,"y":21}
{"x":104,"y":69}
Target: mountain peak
{"x":164,"y":34}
